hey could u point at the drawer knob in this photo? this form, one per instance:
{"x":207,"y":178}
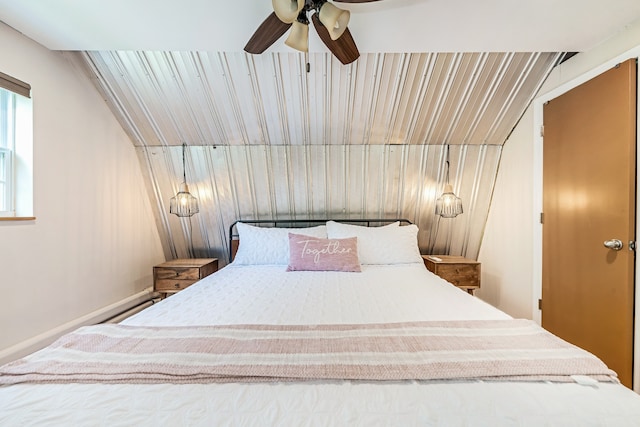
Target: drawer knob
{"x":177,"y":286}
{"x":177,"y":274}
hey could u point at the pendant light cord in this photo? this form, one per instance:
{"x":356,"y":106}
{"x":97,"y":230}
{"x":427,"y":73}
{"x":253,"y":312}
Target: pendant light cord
{"x":193,"y":254}
{"x":184,"y":168}
{"x":184,"y":180}
{"x":447,"y":163}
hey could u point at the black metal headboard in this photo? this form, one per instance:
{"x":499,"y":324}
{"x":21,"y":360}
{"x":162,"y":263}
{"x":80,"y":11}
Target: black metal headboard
{"x":301,"y":223}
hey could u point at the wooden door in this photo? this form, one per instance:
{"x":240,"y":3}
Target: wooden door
{"x":589,"y":198}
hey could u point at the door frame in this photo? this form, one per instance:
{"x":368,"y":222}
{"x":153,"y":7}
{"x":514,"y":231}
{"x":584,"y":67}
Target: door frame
{"x":538,"y":105}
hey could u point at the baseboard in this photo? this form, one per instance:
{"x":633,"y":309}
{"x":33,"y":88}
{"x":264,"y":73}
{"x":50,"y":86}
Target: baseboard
{"x":136,"y":309}
{"x":104,"y":314}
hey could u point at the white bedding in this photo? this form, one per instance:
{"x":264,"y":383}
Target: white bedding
{"x":267,"y":294}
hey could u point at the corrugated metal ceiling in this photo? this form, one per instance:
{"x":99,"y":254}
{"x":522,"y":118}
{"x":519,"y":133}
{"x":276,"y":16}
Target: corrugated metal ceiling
{"x":266,"y":139}
{"x":201,"y":98}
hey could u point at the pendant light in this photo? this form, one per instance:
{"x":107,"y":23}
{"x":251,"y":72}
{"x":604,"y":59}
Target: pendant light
{"x":183,"y":204}
{"x":448,"y":205}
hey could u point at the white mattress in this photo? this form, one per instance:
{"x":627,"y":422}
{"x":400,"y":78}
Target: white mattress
{"x":270,"y":295}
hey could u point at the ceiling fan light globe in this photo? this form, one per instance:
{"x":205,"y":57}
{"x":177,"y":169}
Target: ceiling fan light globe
{"x":334,"y":19}
{"x":298,"y":37}
{"x":287,"y":10}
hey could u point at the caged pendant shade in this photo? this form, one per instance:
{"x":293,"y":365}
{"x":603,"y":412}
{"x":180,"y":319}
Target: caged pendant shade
{"x":448,"y":205}
{"x":183,"y":204}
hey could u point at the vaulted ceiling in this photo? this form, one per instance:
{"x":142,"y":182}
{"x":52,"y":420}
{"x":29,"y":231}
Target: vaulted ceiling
{"x":267,"y":138}
{"x":205,"y":98}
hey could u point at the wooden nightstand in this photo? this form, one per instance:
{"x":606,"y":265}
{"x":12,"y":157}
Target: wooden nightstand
{"x":173,"y":276}
{"x":462,"y":272}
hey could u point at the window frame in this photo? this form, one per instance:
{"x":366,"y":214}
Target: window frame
{"x":6,"y":165}
{"x":16,"y":145}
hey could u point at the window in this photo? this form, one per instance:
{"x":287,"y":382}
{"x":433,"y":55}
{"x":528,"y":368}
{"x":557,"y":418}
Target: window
{"x":6,"y":183}
{"x":7,"y":126}
{"x":16,"y":148}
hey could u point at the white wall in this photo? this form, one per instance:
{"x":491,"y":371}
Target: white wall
{"x":507,"y":246}
{"x":94,"y":241}
{"x":510,"y":251}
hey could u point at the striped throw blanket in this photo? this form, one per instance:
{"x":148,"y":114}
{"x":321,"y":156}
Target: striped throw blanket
{"x":459,"y":350}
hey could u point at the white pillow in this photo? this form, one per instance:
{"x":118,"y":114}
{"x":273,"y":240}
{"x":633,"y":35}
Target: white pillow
{"x":269,"y":246}
{"x":380,"y":245}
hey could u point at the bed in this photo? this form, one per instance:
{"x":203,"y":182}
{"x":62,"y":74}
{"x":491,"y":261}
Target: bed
{"x":337,"y":324}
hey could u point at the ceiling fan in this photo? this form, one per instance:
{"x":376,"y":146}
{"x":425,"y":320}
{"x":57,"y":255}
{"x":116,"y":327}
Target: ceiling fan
{"x":329,"y":21}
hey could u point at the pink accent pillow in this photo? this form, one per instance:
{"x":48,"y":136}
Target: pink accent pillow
{"x":308,"y":253}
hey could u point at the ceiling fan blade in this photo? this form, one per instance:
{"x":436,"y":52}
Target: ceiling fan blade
{"x":344,"y":48}
{"x":267,"y":33}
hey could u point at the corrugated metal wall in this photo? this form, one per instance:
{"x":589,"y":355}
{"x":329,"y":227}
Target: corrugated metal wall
{"x":339,"y":181}
{"x":269,"y":140}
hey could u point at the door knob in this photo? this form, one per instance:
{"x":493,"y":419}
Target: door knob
{"x":614,"y":244}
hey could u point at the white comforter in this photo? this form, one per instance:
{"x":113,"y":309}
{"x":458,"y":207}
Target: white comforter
{"x":269,"y":295}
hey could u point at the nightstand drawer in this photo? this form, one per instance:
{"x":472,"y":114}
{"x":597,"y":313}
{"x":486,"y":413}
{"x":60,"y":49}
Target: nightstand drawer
{"x":178,"y":273}
{"x":459,"y":271}
{"x":172,"y":285}
{"x":459,"y":274}
{"x":173,"y":276}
